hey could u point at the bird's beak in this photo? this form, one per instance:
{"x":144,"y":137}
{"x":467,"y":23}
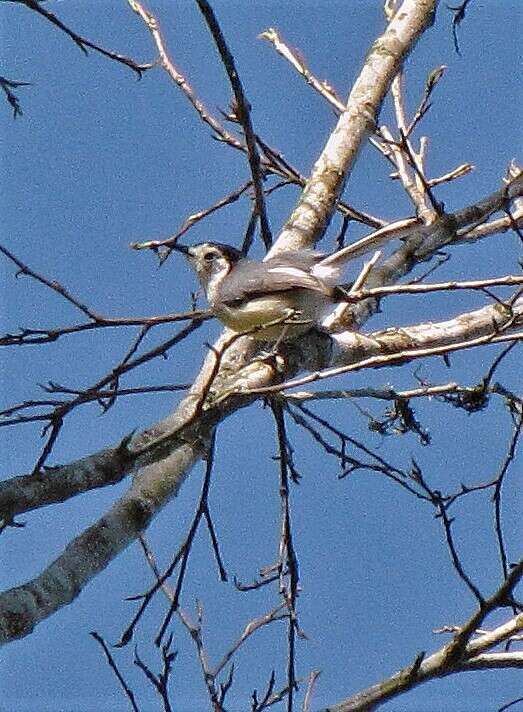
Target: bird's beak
{"x":181,"y":248}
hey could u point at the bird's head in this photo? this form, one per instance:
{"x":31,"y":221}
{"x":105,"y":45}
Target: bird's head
{"x":210,"y":260}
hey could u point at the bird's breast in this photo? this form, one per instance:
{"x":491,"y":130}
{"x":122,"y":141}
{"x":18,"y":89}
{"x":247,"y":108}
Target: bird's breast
{"x":267,"y":316}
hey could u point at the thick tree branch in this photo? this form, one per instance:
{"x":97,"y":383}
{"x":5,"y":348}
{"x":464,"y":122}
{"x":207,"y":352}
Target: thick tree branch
{"x":391,"y":347}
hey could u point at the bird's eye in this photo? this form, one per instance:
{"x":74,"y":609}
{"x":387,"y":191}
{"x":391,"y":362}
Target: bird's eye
{"x":209,"y":256}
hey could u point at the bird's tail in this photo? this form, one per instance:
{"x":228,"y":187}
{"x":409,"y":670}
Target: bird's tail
{"x":367,"y":244}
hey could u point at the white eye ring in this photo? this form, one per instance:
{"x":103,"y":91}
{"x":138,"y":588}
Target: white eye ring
{"x":209,"y":256}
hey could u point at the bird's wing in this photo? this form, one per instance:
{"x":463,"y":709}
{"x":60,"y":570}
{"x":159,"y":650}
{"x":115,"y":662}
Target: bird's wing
{"x":318,"y":265}
{"x":248,"y":280}
{"x":303,"y":259}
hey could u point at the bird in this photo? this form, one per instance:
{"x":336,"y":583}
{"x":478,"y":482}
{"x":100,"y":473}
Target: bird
{"x":280,"y":298}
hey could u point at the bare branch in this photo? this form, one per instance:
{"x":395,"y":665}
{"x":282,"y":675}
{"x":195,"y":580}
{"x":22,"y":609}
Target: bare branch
{"x":494,"y":661}
{"x":167,"y":450}
{"x":7,"y":86}
{"x":98,"y":321}
{"x":484,"y":326}
{"x":432,"y":80}
{"x":497,"y":497}
{"x":112,"y":664}
{"x":192,"y":220}
{"x":314,"y":675}
{"x":441,"y":507}
{"x":457,"y":655}
{"x":479,"y":284}
{"x":252,"y":626}
{"x":242,"y":112}
{"x":80,"y":41}
{"x":388,"y":394}
{"x":186,"y":547}
{"x":55,"y":286}
{"x":58,"y":484}
{"x":288,"y":558}
{"x":296,"y":60}
{"x":166,"y":63}
{"x":159,"y":682}
{"x":489,"y":639}
{"x":272,"y":162}
{"x":307,"y":224}
{"x":462,"y":170}
{"x":459,"y":16}
{"x":408,"y":162}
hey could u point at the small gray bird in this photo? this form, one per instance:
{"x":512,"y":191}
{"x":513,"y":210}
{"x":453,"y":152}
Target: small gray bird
{"x":294,"y":289}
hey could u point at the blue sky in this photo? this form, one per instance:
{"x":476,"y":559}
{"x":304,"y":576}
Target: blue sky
{"x":99,"y":160}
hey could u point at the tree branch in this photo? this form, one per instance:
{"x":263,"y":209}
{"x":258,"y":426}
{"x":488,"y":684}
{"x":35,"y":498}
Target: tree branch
{"x":455,"y":656}
{"x":171,"y":447}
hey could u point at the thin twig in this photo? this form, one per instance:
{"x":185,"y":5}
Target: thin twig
{"x":147,"y":597}
{"x":251,"y":627}
{"x":388,"y":394}
{"x":82,"y":42}
{"x":52,"y":284}
{"x":187,"y":545}
{"x":459,"y":16}
{"x":98,"y":321}
{"x":349,"y":463}
{"x":288,"y":556}
{"x":441,"y":506}
{"x":297,"y":61}
{"x":430,"y":84}
{"x":507,"y":461}
{"x":7,"y":85}
{"x":461,"y":170}
{"x":160,"y":681}
{"x":215,"y":544}
{"x":112,"y":664}
{"x":313,"y":677}
{"x":510,"y":280}
{"x":191,"y":221}
{"x":56,"y":418}
{"x":166,"y":63}
{"x":242,"y":112}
